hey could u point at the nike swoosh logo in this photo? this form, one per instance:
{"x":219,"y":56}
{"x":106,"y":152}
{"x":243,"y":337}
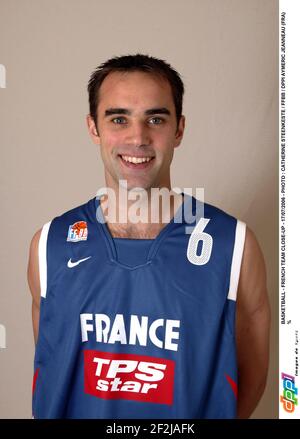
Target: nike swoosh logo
{"x":73,"y":264}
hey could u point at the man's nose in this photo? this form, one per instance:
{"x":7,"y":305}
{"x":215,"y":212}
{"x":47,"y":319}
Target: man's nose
{"x":138,"y":134}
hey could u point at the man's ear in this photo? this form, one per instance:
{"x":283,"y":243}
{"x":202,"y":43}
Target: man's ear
{"x":92,"y":128}
{"x":180,"y":131}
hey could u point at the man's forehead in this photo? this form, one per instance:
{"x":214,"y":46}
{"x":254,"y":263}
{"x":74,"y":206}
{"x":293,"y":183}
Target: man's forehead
{"x":134,"y":85}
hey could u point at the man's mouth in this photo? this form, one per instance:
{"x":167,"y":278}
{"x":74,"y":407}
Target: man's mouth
{"x":136,"y":162}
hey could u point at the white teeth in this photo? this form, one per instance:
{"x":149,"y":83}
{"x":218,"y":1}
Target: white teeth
{"x":136,"y":159}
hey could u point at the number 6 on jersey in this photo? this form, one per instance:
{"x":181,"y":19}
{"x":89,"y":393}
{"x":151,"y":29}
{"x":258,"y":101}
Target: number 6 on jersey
{"x":207,"y":243}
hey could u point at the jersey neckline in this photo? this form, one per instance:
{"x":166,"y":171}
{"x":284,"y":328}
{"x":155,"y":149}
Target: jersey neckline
{"x":156,"y":242}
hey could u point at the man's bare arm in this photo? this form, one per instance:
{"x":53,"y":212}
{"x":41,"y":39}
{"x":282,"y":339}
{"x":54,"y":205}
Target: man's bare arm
{"x":34,"y":282}
{"x":252,"y":328}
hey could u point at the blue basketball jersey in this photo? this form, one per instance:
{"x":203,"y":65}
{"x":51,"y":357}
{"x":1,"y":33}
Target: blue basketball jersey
{"x":138,"y":328}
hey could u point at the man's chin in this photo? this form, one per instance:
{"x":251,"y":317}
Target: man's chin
{"x":134,"y":186}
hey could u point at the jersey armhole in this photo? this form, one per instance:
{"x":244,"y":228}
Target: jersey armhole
{"x":43,"y":258}
{"x":240,"y":234}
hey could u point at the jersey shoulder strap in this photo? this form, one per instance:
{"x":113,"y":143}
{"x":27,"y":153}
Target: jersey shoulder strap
{"x":70,"y":227}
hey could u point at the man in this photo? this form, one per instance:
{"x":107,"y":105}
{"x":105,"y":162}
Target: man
{"x":136,"y":319}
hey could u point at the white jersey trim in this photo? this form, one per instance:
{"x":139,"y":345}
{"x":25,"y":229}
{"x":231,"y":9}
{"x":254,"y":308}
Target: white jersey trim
{"x":240,"y":234}
{"x":43,"y":258}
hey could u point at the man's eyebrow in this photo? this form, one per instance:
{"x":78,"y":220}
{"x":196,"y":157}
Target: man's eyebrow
{"x":161,"y":110}
{"x":111,"y":111}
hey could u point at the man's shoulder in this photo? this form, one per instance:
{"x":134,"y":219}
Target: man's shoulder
{"x":212,"y":210}
{"x":78,"y":211}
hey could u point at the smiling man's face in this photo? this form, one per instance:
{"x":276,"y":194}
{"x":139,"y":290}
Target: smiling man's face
{"x":137,"y":127}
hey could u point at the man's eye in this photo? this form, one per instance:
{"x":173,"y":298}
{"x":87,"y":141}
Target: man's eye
{"x":119,"y":120}
{"x":156,"y":120}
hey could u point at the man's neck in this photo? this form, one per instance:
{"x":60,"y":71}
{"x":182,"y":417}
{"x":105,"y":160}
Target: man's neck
{"x":142,"y":218}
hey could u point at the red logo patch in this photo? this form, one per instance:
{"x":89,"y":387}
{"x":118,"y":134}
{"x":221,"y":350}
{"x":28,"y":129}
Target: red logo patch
{"x":77,"y":232}
{"x":128,"y":376}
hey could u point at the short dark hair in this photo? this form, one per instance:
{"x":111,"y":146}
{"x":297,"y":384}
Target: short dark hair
{"x":131,"y":63}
